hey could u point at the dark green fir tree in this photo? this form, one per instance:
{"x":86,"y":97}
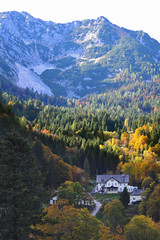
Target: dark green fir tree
{"x":125,"y":198}
{"x":20,"y":188}
{"x":86,"y":166}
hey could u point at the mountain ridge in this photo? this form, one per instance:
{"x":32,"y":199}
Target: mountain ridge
{"x":72,"y":59}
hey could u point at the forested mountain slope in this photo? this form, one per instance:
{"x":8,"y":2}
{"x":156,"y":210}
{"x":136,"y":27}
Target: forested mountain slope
{"x":47,"y":145}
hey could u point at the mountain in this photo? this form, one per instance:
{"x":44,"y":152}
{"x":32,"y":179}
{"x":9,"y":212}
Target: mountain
{"x":73,"y":59}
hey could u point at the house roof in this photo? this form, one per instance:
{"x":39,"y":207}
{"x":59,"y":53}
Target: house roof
{"x":136,"y":192}
{"x":119,"y":178}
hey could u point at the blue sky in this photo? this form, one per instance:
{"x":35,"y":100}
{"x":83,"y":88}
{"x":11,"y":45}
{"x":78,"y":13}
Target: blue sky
{"x":132,"y":14}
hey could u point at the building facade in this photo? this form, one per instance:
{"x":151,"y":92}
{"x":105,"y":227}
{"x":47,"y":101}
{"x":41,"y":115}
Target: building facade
{"x":113,"y":183}
{"x":136,"y":196}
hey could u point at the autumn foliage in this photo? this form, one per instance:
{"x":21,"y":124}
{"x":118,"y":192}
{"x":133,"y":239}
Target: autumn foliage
{"x":141,"y":155}
{"x":65,"y":222}
{"x":57,"y":170}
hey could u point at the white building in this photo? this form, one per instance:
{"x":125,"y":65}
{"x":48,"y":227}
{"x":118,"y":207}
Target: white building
{"x":53,"y":200}
{"x":113,"y":183}
{"x":136,"y":196}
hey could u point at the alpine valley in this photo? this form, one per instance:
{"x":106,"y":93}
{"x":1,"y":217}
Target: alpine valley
{"x":74,"y":59}
{"x":79,"y":117}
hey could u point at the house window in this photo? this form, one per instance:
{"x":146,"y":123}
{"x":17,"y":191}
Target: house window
{"x":108,"y":184}
{"x":115,"y":184}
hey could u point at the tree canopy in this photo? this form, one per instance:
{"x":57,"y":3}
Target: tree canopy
{"x":141,"y":227}
{"x":72,"y":191}
{"x":125,"y":197}
{"x":65,"y":222}
{"x":21,"y":188}
{"x":114,"y":214}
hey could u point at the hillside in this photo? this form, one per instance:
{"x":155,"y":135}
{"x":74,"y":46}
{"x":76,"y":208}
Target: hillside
{"x":73,"y":59}
{"x":55,"y":144}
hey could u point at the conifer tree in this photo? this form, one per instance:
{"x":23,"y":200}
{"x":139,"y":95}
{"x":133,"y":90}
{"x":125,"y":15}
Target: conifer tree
{"x":51,"y":173}
{"x":125,"y":198}
{"x":86,"y":166}
{"x":20,"y":188}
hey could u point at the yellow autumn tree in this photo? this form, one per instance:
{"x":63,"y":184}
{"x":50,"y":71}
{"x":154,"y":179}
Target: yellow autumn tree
{"x":141,"y":227}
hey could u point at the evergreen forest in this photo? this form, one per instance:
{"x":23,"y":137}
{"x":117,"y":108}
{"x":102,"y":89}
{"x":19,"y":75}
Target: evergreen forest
{"x":61,"y":144}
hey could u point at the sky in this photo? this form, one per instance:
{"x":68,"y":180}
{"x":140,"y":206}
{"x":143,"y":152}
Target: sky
{"x":131,"y":14}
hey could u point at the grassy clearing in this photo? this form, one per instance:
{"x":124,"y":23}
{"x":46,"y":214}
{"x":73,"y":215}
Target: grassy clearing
{"x":100,"y":196}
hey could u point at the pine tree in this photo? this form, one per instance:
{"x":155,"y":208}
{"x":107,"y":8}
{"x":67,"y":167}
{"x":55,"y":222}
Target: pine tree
{"x":125,"y":198}
{"x":51,"y":173}
{"x":38,"y":152}
{"x":86,"y":166}
{"x":20,"y":188}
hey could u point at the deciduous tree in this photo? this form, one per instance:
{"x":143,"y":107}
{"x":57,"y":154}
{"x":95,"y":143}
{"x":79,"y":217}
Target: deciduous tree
{"x":65,"y":222}
{"x":153,"y":204}
{"x":141,"y":227}
{"x":114,"y":214}
{"x":70,"y":191}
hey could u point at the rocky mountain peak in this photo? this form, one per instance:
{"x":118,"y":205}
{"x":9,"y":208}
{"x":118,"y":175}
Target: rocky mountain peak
{"x":102,"y":19}
{"x":72,"y":59}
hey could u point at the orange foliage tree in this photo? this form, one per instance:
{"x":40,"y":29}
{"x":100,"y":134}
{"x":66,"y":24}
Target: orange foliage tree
{"x":65,"y":222}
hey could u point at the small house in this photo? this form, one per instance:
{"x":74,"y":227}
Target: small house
{"x":136,"y":196}
{"x":53,"y":200}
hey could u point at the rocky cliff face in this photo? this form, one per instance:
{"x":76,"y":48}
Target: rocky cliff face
{"x":72,"y":59}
